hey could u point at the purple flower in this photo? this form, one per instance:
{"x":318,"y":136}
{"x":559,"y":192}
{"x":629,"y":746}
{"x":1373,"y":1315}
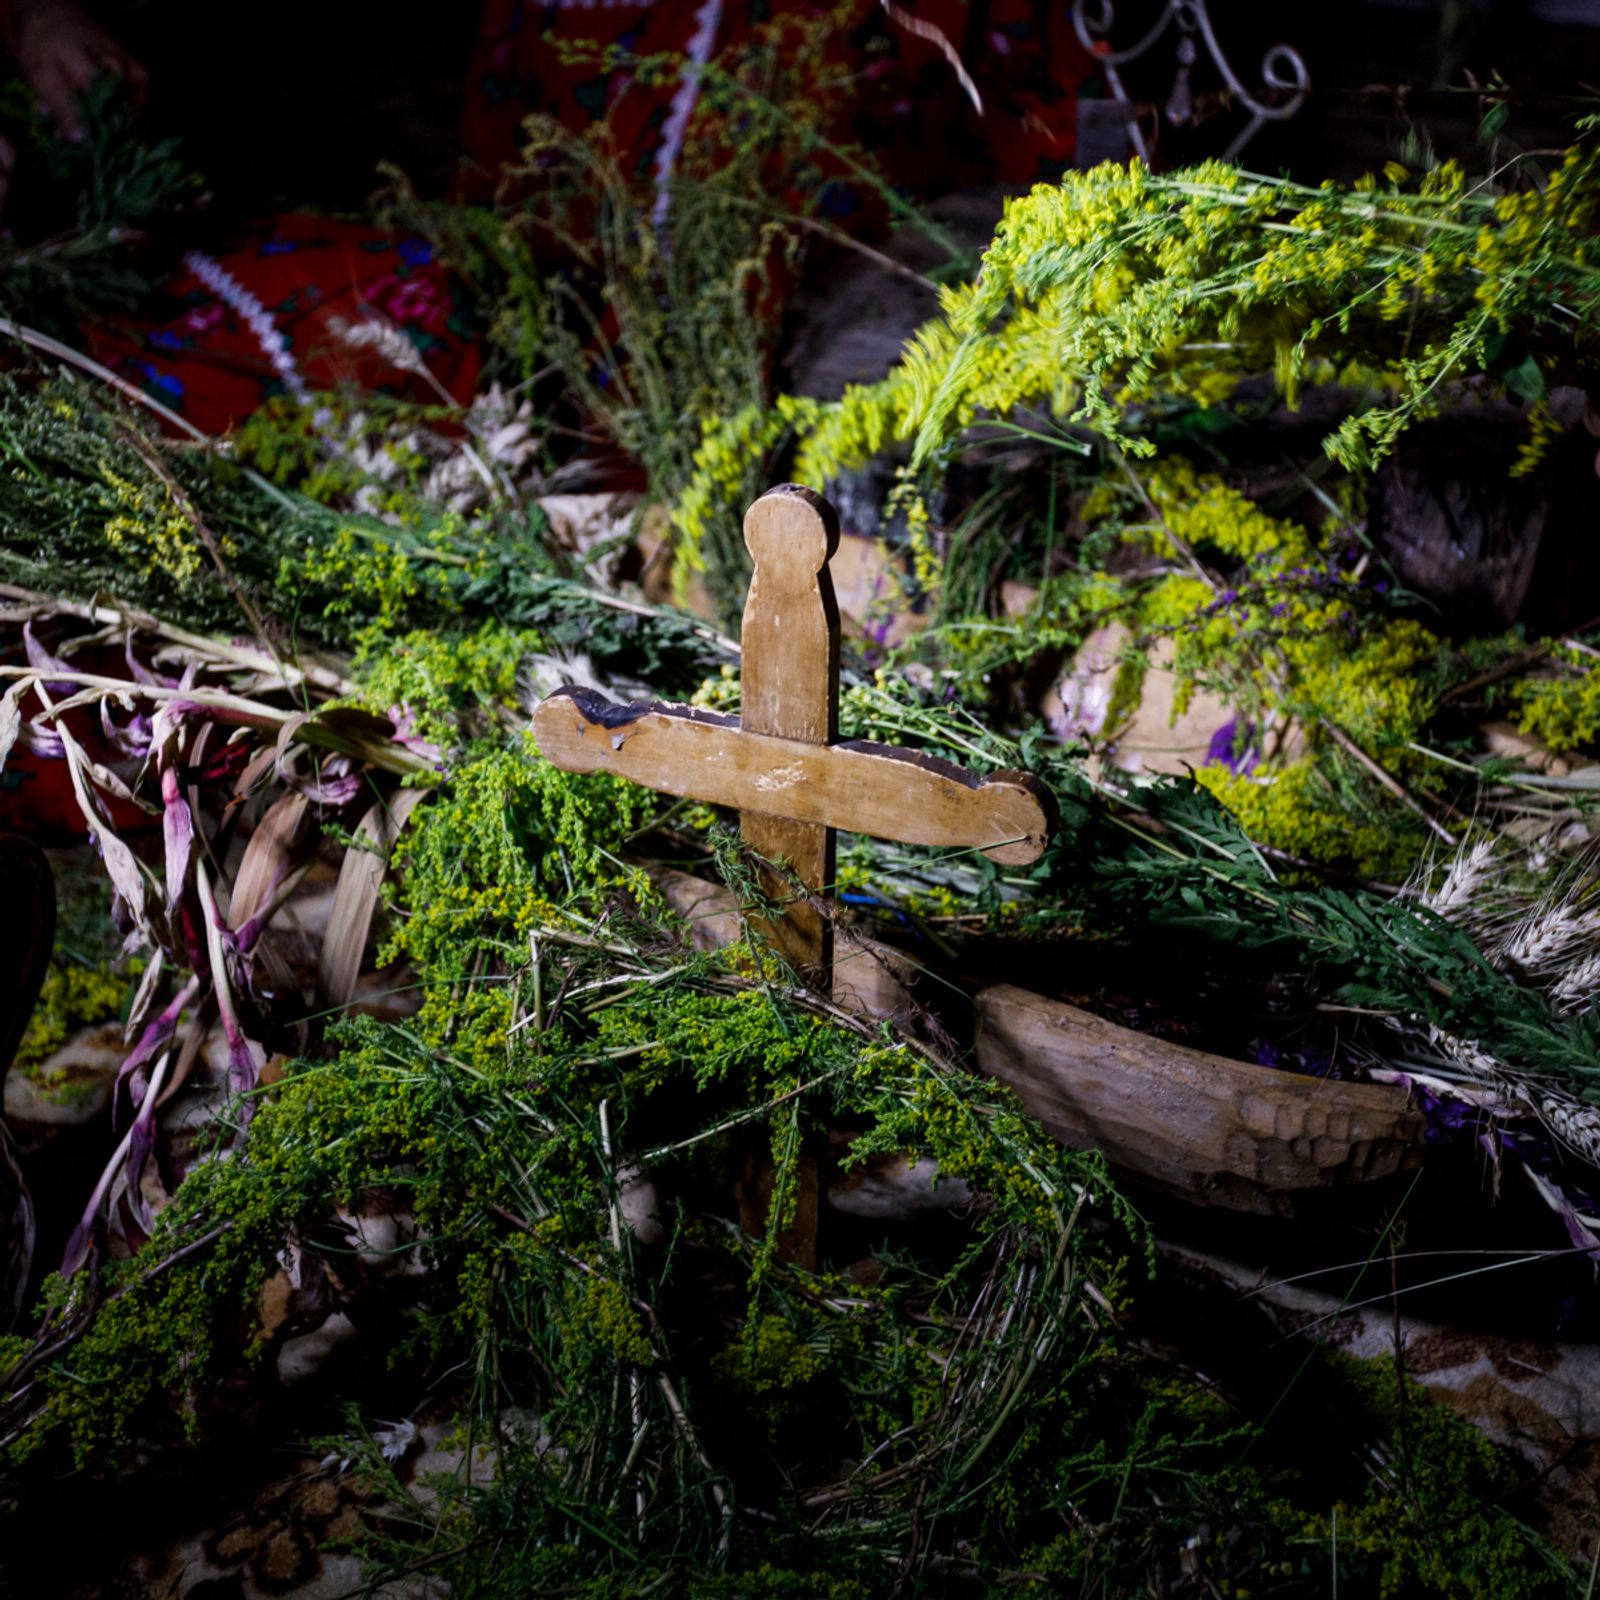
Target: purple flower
{"x":1233,"y":747}
{"x":131,"y":739}
{"x":43,"y":743}
{"x":1309,"y":1063}
{"x":141,"y":673}
{"x":405,"y":733}
{"x":41,"y":660}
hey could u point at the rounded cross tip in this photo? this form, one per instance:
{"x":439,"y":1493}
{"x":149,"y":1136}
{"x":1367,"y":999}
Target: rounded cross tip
{"x":791,"y":526}
{"x":1029,"y":808}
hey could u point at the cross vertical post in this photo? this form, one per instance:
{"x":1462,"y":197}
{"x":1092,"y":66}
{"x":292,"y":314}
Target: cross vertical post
{"x":781,"y":766}
{"x":790,"y":689}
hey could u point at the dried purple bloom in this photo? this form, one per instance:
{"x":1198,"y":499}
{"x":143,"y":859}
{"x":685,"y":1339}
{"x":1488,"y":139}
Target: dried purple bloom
{"x":132,"y":739}
{"x":404,"y":721}
{"x":245,"y":1056}
{"x":142,"y":674}
{"x":41,"y":659}
{"x":45,"y":743}
{"x":156,"y":1036}
{"x":141,"y":1141}
{"x":177,"y":834}
{"x":334,"y":786}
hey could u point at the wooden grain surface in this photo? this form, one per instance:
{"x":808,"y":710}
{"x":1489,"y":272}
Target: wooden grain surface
{"x":864,"y":788}
{"x":1218,"y":1131}
{"x":789,"y":671}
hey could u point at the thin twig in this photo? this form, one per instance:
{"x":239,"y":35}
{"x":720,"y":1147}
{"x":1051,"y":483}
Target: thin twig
{"x":835,"y":236}
{"x":1172,"y":537}
{"x":1389,"y":782}
{"x":1513,"y":664}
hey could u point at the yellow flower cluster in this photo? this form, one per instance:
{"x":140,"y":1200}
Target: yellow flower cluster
{"x":1562,"y":709}
{"x":1296,"y":640}
{"x":1117,"y":286}
{"x":360,"y":576}
{"x":147,"y":527}
{"x":1296,"y":810}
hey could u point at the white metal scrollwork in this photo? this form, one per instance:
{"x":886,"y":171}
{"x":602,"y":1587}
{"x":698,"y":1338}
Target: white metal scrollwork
{"x":1282,"y":69}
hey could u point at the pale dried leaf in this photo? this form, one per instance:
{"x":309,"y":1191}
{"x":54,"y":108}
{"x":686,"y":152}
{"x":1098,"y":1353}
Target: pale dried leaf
{"x":286,"y":733}
{"x":11,"y":716}
{"x":144,"y":997}
{"x":95,"y":695}
{"x":256,"y":768}
{"x":267,"y":857}
{"x":355,"y":896}
{"x":177,"y":836}
{"x":109,"y":783}
{"x":122,"y":866}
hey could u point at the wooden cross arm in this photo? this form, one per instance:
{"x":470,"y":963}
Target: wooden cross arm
{"x":864,"y":788}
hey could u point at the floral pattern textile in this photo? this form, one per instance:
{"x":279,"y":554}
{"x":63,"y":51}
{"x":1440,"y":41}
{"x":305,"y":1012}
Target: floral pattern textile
{"x":267,"y":316}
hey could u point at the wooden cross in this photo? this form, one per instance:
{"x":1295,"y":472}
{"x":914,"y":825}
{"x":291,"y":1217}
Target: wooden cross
{"x":780,"y":763}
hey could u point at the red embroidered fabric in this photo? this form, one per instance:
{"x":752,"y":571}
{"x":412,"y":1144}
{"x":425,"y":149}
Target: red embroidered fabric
{"x":311,"y":276}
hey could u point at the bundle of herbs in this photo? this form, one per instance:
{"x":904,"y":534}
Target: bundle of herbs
{"x":1178,"y":317}
{"x":557,"y":1193}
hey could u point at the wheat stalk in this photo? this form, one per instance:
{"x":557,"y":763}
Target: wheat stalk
{"x":1502,"y":1090}
{"x":1547,"y":940}
{"x":1457,"y":897}
{"x":1576,"y":988}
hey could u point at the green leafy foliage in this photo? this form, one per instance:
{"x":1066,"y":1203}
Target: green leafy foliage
{"x":1119,"y":287}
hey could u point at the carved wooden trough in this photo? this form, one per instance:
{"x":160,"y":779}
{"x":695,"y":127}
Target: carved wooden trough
{"x":1209,"y":1129}
{"x":1202,"y":1127}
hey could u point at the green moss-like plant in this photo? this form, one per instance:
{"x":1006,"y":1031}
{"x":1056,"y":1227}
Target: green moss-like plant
{"x":73,"y":997}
